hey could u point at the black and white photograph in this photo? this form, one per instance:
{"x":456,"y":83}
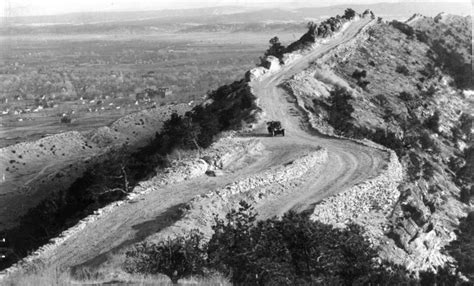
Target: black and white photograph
{"x":236,"y":142}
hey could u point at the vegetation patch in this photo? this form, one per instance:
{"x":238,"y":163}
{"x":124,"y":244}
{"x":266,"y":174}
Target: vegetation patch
{"x":402,"y":110}
{"x":292,"y":250}
{"x":113,"y":176}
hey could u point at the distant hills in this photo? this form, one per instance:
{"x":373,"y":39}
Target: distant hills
{"x":216,"y":19}
{"x":231,"y":14}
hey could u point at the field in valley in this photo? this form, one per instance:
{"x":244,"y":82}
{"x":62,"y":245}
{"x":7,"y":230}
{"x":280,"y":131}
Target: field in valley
{"x":97,"y":78}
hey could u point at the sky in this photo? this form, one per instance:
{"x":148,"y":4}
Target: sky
{"x":11,"y":8}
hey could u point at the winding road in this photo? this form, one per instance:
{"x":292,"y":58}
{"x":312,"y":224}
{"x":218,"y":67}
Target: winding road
{"x":349,"y":163}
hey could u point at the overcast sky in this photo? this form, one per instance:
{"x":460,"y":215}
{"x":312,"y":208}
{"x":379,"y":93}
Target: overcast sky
{"x":50,"y":7}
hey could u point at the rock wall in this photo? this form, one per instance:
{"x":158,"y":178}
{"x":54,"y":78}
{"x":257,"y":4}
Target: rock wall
{"x":255,"y":189}
{"x":190,"y":167}
{"x":375,"y":198}
{"x":370,"y":203}
{"x":361,"y":203}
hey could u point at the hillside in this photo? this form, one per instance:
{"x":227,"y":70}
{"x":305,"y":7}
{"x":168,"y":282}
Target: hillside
{"x":34,"y":171}
{"x":377,"y":152}
{"x":395,"y":89}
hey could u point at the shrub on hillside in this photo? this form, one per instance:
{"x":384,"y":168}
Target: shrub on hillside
{"x":428,"y":71}
{"x":466,"y":194}
{"x":292,"y":250}
{"x":433,"y":121}
{"x":404,"y":28}
{"x":358,"y":74}
{"x":429,"y":92}
{"x":421,"y":36}
{"x":466,"y":124}
{"x":340,"y":108}
{"x":231,"y":105}
{"x":427,"y":142}
{"x":349,"y":14}
{"x":66,"y":119}
{"x":315,"y":252}
{"x":465,"y":175}
{"x":363,"y":83}
{"x":454,"y":62}
{"x":177,"y":258}
{"x":406,"y":96}
{"x":388,"y":139}
{"x":276,"y":49}
{"x":462,"y":248}
{"x":402,"y":70}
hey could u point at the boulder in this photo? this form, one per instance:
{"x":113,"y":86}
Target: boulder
{"x":271,"y":63}
{"x":290,"y":57}
{"x":255,"y":73}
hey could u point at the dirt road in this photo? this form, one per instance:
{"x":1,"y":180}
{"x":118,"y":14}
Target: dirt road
{"x":349,"y":163}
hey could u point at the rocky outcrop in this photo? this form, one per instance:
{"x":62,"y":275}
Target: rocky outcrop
{"x":270,"y":65}
{"x":255,"y":73}
{"x":290,"y":57}
{"x":415,"y":17}
{"x":422,"y":227}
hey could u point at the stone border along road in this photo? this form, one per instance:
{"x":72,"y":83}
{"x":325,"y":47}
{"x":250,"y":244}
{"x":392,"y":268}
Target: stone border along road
{"x":377,"y":195}
{"x":254,"y":190}
{"x":267,"y":167}
{"x":220,"y":155}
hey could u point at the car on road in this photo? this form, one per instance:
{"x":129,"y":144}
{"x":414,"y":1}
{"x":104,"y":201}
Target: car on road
{"x":274,"y":128}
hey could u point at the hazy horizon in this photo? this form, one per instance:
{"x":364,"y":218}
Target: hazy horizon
{"x":25,"y":8}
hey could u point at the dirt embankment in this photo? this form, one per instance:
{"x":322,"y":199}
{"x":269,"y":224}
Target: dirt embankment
{"x":30,"y":171}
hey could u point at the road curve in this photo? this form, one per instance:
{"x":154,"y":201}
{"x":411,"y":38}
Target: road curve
{"x":349,"y":163}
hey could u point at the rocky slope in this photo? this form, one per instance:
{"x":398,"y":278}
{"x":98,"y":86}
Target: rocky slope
{"x":393,"y":86}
